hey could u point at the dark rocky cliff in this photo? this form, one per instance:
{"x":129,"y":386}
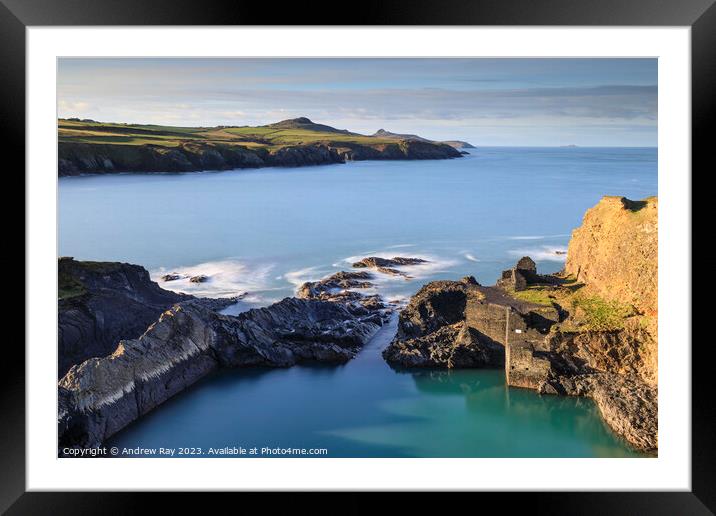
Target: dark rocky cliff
{"x":84,"y":158}
{"x":100,"y":303}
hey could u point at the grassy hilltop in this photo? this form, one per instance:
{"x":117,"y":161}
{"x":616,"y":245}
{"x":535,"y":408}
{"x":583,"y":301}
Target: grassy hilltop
{"x":299,"y":131}
{"x":90,"y":146}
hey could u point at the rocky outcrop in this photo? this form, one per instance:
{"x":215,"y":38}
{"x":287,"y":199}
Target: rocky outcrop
{"x":461,"y":324}
{"x":387,"y":265}
{"x":102,"y":395}
{"x":341,"y":287}
{"x":101,"y":303}
{"x":450,"y":324}
{"x":375,"y":262}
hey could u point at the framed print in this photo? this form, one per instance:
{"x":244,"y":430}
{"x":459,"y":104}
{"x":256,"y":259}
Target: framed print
{"x":447,"y":249}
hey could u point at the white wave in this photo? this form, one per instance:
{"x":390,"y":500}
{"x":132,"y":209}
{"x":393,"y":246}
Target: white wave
{"x":301,"y":276}
{"x":552,"y":253}
{"x":399,"y":246}
{"x":433,"y":264}
{"x":471,"y":257}
{"x":226,"y":278}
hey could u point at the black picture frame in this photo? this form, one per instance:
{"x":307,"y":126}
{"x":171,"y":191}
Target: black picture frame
{"x":700,"y":15}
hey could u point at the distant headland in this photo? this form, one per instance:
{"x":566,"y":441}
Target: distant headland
{"x":89,"y":147}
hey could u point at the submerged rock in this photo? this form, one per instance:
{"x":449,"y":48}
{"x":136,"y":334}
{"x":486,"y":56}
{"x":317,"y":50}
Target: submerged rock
{"x":199,"y":279}
{"x":171,"y":277}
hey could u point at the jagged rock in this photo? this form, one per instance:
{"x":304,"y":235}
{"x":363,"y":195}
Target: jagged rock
{"x":337,"y":288}
{"x":199,"y":279}
{"x":171,"y":277}
{"x":101,"y":396}
{"x":106,"y":302}
{"x":393,"y":272}
{"x":101,"y":303}
{"x":470,"y":280}
{"x":442,"y":311}
{"x":375,"y":262}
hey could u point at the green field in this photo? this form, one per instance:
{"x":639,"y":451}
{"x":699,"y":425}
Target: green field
{"x":289,"y":132}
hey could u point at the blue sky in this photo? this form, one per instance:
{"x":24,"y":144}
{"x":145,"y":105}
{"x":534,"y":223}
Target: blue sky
{"x":545,"y":102}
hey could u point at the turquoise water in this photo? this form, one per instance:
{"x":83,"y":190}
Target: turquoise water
{"x":265,"y":231}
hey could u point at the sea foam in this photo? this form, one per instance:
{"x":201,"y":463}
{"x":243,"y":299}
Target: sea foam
{"x":226,"y":278}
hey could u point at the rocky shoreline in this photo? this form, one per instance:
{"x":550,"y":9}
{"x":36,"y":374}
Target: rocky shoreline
{"x":327,"y":322}
{"x":126,"y":345}
{"x":84,"y":158}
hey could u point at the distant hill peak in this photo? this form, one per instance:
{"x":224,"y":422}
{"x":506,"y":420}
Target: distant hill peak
{"x":299,"y":120}
{"x":305,"y":123}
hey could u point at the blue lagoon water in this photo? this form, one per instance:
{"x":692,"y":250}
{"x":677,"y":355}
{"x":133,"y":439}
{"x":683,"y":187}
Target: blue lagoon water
{"x":266,"y":231}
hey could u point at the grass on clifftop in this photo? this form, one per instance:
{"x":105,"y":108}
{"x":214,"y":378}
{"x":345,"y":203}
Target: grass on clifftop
{"x":68,"y":287}
{"x":587,"y":312}
{"x":269,"y":136}
{"x":535,"y":294}
{"x":600,"y":314}
{"x":548,"y":294}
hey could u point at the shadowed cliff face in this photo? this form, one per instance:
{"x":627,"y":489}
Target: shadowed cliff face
{"x":84,"y":158}
{"x":101,"y":303}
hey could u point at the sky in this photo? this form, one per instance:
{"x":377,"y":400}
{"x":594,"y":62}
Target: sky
{"x":520,"y":102}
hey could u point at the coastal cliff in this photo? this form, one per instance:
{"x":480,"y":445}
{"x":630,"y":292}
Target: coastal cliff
{"x":564,"y":334}
{"x":101,"y":396}
{"x":92,"y":147}
{"x":100,"y":303}
{"x":615,"y":254}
